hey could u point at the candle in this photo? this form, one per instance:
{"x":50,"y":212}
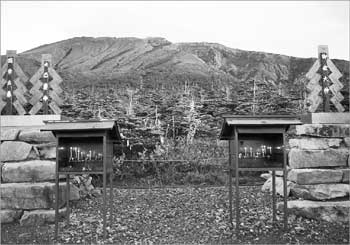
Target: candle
{"x":251,"y":151}
{"x":270,"y":149}
{"x":245,"y":151}
{"x":71,"y":153}
{"x":78,"y":153}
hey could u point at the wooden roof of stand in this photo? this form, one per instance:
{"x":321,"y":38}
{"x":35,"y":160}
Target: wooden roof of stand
{"x":83,"y":126}
{"x":256,"y":121}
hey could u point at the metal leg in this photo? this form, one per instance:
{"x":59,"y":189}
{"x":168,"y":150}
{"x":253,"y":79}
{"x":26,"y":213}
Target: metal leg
{"x":104,"y":204}
{"x":273,"y":196}
{"x":67,"y":197}
{"x":56,"y":205}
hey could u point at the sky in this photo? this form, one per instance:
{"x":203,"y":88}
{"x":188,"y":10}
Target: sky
{"x":293,"y":28}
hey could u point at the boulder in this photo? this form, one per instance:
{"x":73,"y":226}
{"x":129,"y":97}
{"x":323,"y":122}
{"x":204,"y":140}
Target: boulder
{"x":9,"y":134}
{"x":337,"y":212}
{"x":279,"y":186}
{"x":9,"y":215}
{"x":317,"y":158}
{"x":34,"y":195}
{"x":347,"y":142}
{"x":17,"y":151}
{"x":36,"y":136}
{"x":315,"y":143}
{"x":324,"y":130}
{"x":29,"y":171}
{"x":41,"y":216}
{"x":320,"y":191}
{"x":346,"y":175}
{"x":47,"y":150}
{"x":315,"y":176}
{"x":265,"y":176}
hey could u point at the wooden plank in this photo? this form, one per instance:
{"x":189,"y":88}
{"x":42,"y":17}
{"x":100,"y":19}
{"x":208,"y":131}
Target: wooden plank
{"x":314,"y":101}
{"x":55,"y":77}
{"x":36,"y":87}
{"x":56,"y":87}
{"x":337,"y":104}
{"x":314,"y":82}
{"x":35,"y":78}
{"x":2,"y":105}
{"x":84,"y":125}
{"x":2,"y":93}
{"x":20,"y":72}
{"x":36,"y":108}
{"x":313,"y":69}
{"x":3,"y":82}
{"x":22,"y":100}
{"x":262,"y":122}
{"x":335,"y":81}
{"x":56,"y":98}
{"x":19,"y":108}
{"x":36,"y":97}
{"x":20,"y":86}
{"x":4,"y":69}
{"x":338,"y":96}
{"x":55,"y":107}
{"x":334,"y":69}
{"x":46,"y":57}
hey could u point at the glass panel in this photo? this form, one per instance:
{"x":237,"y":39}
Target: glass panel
{"x":260,"y":150}
{"x":80,"y":154}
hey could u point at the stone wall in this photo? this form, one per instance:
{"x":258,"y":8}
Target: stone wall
{"x":27,"y":174}
{"x":318,"y":173}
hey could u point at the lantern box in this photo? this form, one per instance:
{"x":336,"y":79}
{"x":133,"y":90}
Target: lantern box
{"x":84,"y":146}
{"x":260,"y":139}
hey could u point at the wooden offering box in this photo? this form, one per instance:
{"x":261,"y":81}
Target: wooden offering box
{"x":257,"y":143}
{"x":84,"y":146}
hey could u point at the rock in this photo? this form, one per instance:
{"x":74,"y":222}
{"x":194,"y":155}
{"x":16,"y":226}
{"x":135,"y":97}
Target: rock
{"x":347,"y":142}
{"x":36,"y":136}
{"x":47,"y":150}
{"x":265,"y":175}
{"x":315,"y":176}
{"x":41,"y":216}
{"x":317,"y":158}
{"x":346,"y":175}
{"x":29,"y":171}
{"x":320,"y":191}
{"x":9,"y":215}
{"x":329,"y":211}
{"x":324,"y":130}
{"x":9,"y":134}
{"x":279,"y":186}
{"x":315,"y":143}
{"x":17,"y":151}
{"x":34,"y":195}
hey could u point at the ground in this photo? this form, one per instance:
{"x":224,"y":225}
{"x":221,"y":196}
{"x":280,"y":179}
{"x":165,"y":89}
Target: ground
{"x":179,"y":215}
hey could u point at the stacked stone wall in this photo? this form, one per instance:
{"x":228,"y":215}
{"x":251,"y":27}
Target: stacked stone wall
{"x":27,"y":173}
{"x":318,"y":173}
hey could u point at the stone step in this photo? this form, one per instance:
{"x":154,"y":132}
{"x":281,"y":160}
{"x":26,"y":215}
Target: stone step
{"x":320,"y":191}
{"x":41,"y":216}
{"x":28,"y":171}
{"x":329,"y":211}
{"x":34,"y":195}
{"x":11,"y":151}
{"x":279,"y":186}
{"x":315,"y":143}
{"x":9,"y":215}
{"x":315,"y":176}
{"x":318,"y":158}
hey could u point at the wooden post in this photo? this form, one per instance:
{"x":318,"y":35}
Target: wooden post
{"x":111,"y":198}
{"x":237,"y":182}
{"x":230,"y":180}
{"x":56,"y":191}
{"x":285,"y":183}
{"x":67,"y":197}
{"x":104,"y":185}
{"x":273,"y":196}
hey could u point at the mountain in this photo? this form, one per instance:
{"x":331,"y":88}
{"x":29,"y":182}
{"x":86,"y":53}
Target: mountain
{"x":143,"y":80}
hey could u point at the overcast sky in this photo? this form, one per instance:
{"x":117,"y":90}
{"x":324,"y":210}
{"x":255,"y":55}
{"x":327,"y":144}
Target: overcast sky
{"x":283,"y":27}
